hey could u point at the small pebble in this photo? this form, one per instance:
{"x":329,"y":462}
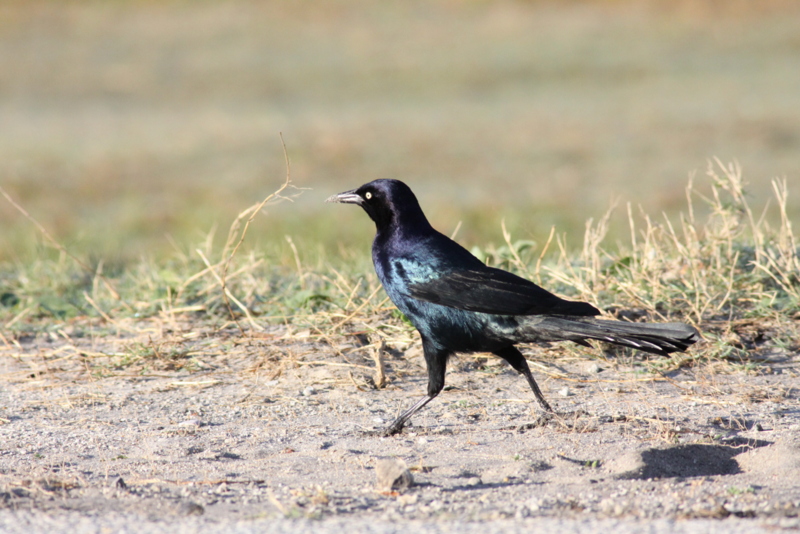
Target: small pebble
{"x":593,"y":368}
{"x":407,"y":500}
{"x":191,"y":508}
{"x":190,"y":422}
{"x":565,"y":392}
{"x":393,"y":474}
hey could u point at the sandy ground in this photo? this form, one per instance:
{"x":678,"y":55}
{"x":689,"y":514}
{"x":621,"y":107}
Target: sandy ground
{"x":271,"y":433}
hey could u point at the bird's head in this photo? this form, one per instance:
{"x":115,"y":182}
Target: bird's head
{"x":390,"y":203}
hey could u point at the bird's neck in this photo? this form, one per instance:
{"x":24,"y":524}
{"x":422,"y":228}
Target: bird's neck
{"x":403,"y":226}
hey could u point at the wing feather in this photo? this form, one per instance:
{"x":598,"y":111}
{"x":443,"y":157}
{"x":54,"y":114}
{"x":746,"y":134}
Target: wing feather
{"x":496,"y":292}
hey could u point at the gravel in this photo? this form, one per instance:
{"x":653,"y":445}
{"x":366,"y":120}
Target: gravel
{"x":240,"y":447}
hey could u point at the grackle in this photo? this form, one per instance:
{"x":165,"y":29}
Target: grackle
{"x":458,"y":304}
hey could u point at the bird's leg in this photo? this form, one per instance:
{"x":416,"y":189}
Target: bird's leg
{"x":397,"y":426}
{"x":436,"y":361}
{"x":514,"y":357}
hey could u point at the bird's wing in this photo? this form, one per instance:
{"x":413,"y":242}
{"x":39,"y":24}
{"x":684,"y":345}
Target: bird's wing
{"x":495,"y":291}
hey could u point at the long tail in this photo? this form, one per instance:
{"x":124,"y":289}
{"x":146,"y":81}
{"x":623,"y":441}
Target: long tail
{"x":658,"y":338}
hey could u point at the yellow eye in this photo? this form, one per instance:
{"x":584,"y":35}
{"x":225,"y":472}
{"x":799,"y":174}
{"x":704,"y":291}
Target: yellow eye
{"x":368,"y":195}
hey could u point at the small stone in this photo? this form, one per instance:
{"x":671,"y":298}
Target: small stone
{"x":307,"y":392}
{"x":593,"y":368}
{"x":191,"y":508}
{"x":565,"y":392}
{"x":393,"y":474}
{"x":408,"y":500}
{"x":190,"y":422}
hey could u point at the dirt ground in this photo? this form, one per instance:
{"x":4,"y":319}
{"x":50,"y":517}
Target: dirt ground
{"x":270,"y":432}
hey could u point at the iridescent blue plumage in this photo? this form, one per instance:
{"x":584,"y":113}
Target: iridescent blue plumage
{"x":458,"y":304}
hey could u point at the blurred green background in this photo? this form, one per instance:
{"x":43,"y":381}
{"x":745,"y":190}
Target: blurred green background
{"x":126,"y":126}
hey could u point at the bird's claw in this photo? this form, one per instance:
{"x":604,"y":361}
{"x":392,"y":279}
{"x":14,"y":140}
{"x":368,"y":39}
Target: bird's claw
{"x":542,"y":420}
{"x":382,"y":433}
{"x":393,"y":430}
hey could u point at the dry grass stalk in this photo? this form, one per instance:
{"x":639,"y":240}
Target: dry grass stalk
{"x":698,"y":267}
{"x":250,"y":213}
{"x":378,"y":349}
{"x":52,"y":240}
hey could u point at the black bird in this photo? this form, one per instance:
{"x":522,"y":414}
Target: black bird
{"x":458,"y":304}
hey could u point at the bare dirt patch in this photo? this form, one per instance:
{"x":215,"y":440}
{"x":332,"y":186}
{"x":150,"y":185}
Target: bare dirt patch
{"x":203,"y":428}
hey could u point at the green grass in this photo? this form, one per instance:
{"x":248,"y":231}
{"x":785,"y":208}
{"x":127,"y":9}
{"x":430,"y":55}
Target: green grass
{"x":132,"y":127}
{"x":733,"y":274}
{"x":135,"y":132}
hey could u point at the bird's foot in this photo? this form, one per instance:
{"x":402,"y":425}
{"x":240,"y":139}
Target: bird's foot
{"x":570,"y":420}
{"x":393,"y":430}
{"x":376,"y":433}
{"x":540,"y":421}
{"x":390,"y":431}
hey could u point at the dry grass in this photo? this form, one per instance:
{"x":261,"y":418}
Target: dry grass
{"x":732,"y":274}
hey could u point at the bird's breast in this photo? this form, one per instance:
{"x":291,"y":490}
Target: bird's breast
{"x":456,"y":329}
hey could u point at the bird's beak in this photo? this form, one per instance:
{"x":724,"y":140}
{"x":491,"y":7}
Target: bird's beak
{"x":348,"y":197}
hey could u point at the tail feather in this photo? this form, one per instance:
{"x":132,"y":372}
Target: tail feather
{"x":657,"y":338}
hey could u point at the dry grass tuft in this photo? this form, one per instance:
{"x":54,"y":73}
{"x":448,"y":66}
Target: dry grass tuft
{"x":729,"y":272}
{"x":728,"y":267}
